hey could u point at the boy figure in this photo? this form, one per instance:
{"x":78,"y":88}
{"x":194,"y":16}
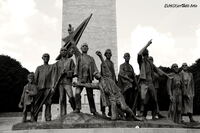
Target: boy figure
{"x":28,"y":98}
{"x":109,"y":90}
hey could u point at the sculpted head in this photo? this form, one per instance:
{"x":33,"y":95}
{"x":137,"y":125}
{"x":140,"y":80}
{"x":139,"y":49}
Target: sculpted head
{"x":151,"y":59}
{"x":185,"y":66}
{"x":70,"y":52}
{"x":174,"y":67}
{"x":84,"y":48}
{"x":46,"y":58}
{"x":63,"y":52}
{"x":127,"y":57}
{"x":70,"y":29}
{"x":108,"y":54}
{"x":30,"y":77}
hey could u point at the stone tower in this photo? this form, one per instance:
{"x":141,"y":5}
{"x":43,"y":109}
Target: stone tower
{"x":100,"y":33}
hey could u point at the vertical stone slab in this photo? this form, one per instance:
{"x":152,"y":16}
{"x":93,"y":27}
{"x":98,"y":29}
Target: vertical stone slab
{"x":100,"y":33}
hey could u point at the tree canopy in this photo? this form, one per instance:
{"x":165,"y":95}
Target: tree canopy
{"x":12,"y":80}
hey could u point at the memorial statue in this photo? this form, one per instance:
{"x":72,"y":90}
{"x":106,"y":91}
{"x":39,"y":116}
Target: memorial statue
{"x":27,"y":100}
{"x":109,"y":89}
{"x":146,"y":81}
{"x":62,"y":73}
{"x":110,"y":64}
{"x":127,"y":81}
{"x":175,"y":89}
{"x":85,"y":69}
{"x":188,"y":92}
{"x":156,"y":85}
{"x":43,"y":82}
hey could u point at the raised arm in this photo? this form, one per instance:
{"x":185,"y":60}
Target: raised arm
{"x":104,"y":65}
{"x":20,"y":105}
{"x":147,"y":45}
{"x":98,"y":53}
{"x":36,"y":75}
{"x":77,"y":52}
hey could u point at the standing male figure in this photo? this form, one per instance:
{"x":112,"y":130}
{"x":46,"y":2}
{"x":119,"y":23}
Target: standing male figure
{"x":43,"y":82}
{"x":156,"y":86}
{"x":85,"y":69}
{"x":127,"y":81}
{"x":188,"y":92}
{"x":63,"y":71}
{"x":110,"y":64}
{"x":147,"y":69}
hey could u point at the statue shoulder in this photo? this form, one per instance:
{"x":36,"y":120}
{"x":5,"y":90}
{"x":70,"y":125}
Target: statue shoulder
{"x":39,"y":67}
{"x":123,"y":64}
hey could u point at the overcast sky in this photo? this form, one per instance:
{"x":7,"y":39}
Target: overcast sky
{"x":28,"y":28}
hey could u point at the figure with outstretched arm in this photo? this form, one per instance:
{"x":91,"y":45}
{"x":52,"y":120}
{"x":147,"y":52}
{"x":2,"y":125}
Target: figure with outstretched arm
{"x":110,"y":64}
{"x":146,"y":82}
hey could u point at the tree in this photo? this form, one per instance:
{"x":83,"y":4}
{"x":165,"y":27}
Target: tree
{"x":13,"y":77}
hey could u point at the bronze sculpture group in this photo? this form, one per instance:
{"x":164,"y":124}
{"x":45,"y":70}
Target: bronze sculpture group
{"x":121,"y":97}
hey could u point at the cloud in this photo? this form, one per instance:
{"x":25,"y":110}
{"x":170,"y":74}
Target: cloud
{"x":165,"y":49}
{"x":197,"y":49}
{"x":162,"y":48}
{"x":27,"y":32}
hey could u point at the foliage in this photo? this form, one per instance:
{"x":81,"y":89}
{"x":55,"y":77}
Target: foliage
{"x":12,"y":80}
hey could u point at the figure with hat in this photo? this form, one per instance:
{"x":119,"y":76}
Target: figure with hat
{"x":85,"y":69}
{"x":62,"y":76}
{"x":27,"y":100}
{"x":43,"y":82}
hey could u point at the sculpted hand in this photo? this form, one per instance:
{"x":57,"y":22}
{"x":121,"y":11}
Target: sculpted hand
{"x":52,"y":90}
{"x":75,"y":84}
{"x":20,"y":105}
{"x":150,"y":42}
{"x":171,"y":99}
{"x":98,"y":53}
